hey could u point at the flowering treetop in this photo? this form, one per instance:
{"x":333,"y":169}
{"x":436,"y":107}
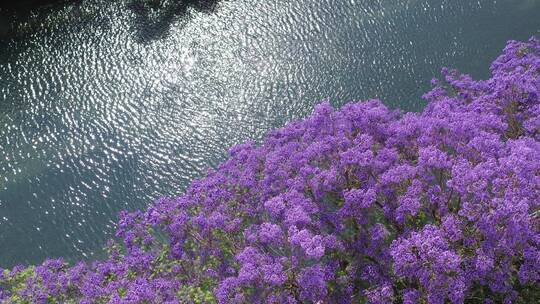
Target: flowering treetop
{"x":358,"y":205}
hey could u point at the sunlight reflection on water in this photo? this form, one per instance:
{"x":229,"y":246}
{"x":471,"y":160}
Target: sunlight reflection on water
{"x":112,"y":105}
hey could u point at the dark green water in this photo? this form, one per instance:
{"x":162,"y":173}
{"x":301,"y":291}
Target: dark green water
{"x":107,"y":105}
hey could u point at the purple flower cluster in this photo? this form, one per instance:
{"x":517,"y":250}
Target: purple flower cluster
{"x":358,"y":205}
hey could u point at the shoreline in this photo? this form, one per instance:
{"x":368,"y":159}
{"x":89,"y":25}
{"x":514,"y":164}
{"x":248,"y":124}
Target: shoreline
{"x":27,"y":5}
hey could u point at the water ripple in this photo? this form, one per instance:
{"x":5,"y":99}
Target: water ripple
{"x":112,"y":104}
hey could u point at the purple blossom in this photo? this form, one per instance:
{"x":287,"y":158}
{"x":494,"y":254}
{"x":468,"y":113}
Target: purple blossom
{"x":361,"y":204}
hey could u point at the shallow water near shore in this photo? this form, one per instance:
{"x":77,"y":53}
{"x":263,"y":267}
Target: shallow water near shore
{"x":108,"y":105}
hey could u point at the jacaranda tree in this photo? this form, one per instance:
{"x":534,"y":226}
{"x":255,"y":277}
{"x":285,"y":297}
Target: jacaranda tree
{"x":358,"y":205}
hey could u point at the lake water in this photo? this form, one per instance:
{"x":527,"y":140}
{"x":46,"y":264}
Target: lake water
{"x":107,"y":105}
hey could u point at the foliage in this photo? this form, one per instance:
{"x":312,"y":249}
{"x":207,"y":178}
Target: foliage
{"x":358,"y":205}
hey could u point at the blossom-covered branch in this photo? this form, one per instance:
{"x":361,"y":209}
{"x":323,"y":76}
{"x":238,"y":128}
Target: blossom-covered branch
{"x":358,"y":205}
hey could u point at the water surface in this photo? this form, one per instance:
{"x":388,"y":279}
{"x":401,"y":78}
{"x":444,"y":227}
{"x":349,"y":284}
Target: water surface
{"x":107,"y":105}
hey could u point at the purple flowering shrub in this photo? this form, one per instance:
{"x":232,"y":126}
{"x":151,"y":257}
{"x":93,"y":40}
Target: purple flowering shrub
{"x":358,"y":205}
